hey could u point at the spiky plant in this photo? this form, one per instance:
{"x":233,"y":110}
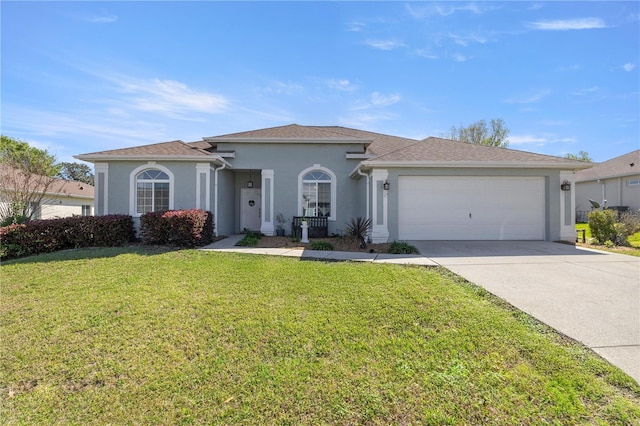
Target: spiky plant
{"x":359,"y":228}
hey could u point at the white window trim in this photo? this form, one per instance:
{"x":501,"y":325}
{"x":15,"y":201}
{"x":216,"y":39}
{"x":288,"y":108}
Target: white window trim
{"x":334,"y":197}
{"x":133,"y":181}
{"x":633,"y":182}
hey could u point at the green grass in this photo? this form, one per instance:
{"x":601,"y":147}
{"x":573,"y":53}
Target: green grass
{"x":128,"y":336}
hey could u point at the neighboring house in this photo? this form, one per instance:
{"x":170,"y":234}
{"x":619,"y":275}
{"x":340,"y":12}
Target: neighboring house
{"x":430,"y":189}
{"x":617,"y":181}
{"x":61,"y":198}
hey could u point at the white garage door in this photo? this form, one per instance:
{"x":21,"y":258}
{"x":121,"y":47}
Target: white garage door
{"x":470,"y":208}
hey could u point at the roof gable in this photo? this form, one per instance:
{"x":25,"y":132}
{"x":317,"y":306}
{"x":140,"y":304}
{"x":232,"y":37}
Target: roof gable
{"x":624,"y":165}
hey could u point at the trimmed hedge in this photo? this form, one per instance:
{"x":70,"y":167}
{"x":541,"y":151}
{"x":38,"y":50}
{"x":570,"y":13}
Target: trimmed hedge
{"x":182,"y":228}
{"x":45,"y":236}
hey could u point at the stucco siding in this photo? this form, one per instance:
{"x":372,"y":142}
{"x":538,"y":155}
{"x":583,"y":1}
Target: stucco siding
{"x":616,"y":191}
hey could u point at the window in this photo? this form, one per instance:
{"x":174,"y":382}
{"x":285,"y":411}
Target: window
{"x":152,"y":191}
{"x":34,"y":210}
{"x":317,"y":192}
{"x":86,"y":210}
{"x":633,"y":182}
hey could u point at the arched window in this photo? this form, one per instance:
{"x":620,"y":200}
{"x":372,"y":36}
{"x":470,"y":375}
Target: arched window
{"x":152,"y":191}
{"x":317,"y":192}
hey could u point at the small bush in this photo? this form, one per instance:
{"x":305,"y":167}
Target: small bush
{"x":321,"y":245}
{"x":182,"y":228}
{"x":402,"y":248}
{"x":627,"y":225}
{"x":359,"y":228}
{"x":250,"y":239}
{"x":602,"y":225}
{"x":45,"y":236}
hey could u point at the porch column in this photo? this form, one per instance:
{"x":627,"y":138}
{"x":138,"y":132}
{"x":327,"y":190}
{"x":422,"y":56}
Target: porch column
{"x":379,"y":201}
{"x":101,"y":189}
{"x":567,"y":208}
{"x":203,"y":186}
{"x":266,"y":218}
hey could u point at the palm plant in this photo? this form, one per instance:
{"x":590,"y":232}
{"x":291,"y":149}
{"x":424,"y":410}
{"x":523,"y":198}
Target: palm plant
{"x":359,"y":228}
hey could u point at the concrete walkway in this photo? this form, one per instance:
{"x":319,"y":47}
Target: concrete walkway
{"x":590,"y":296}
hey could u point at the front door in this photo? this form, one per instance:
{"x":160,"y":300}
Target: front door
{"x":250,"y":209}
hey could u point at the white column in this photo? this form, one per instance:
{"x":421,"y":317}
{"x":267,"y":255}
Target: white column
{"x":379,"y":216}
{"x":267,"y":216}
{"x":102,"y":189}
{"x":567,"y":208}
{"x":202,"y":171}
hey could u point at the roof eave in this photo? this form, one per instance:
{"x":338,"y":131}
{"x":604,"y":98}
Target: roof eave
{"x":476,"y":164}
{"x":286,"y":140}
{"x":97,"y":158}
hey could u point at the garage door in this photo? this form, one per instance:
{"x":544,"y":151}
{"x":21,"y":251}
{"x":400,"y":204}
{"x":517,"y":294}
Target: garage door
{"x":471,"y":208}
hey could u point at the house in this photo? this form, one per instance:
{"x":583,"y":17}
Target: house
{"x":55,"y":198}
{"x":617,"y":181}
{"x":411,"y":189}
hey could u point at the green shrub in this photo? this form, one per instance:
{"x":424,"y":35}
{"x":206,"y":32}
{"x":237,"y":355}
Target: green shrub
{"x":602,"y":225}
{"x":397,"y":247}
{"x":321,"y":245}
{"x":182,"y":228}
{"x":45,"y":236}
{"x":627,"y":225}
{"x":250,"y":239}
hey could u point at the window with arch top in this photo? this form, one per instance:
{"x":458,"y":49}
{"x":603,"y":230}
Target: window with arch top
{"x":317,"y":192}
{"x":152,"y":191}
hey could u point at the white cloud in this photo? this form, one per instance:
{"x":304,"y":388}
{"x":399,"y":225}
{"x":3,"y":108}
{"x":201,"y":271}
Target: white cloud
{"x":539,"y":140}
{"x":380,"y":100}
{"x":586,"y":91}
{"x":342,"y":85}
{"x":466,"y":40}
{"x":356,"y":26}
{"x":448,"y":8}
{"x":169,"y":96}
{"x":529,"y":98}
{"x":628,"y":67}
{"x":103,"y":17}
{"x":458,"y":57}
{"x":384,"y":44}
{"x":280,"y":88}
{"x":568,"y":24}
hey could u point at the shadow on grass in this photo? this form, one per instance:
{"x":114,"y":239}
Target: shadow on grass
{"x":91,"y":253}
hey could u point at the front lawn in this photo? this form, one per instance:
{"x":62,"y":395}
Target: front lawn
{"x":135,"y":336}
{"x":633,"y":240}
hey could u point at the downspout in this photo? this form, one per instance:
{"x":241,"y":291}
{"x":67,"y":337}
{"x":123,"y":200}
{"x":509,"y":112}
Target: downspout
{"x":215,"y":197}
{"x":368,"y":178}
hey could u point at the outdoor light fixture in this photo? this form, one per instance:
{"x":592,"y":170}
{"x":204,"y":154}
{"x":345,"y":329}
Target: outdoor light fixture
{"x":385,"y":185}
{"x":565,"y":186}
{"x":249,"y":182}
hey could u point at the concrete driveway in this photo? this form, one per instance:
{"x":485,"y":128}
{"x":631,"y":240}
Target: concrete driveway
{"x":591,"y":296}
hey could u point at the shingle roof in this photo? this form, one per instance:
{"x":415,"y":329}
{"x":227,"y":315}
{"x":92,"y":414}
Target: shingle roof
{"x":624,"y":165}
{"x":59,"y":187}
{"x":434,"y":149}
{"x":170,"y":149}
{"x":291,"y":131}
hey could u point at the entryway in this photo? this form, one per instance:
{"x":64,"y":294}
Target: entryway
{"x":250,"y":209}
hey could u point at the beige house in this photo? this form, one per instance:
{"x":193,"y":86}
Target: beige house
{"x":61,"y":198}
{"x":614,"y":182}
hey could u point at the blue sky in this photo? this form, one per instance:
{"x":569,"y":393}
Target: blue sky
{"x":80,"y":77}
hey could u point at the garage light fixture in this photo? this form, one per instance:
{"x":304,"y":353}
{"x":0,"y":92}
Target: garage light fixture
{"x":565,"y":186}
{"x":385,"y":185}
{"x":249,"y":182}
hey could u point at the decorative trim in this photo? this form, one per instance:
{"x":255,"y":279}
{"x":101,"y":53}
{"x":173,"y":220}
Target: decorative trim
{"x":266,"y":225}
{"x":104,"y":169}
{"x":380,"y":200}
{"x":203,"y":169}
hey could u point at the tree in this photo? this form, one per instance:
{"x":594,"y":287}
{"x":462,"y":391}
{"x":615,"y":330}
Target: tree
{"x":582,"y":156}
{"x":480,"y":134}
{"x":76,"y":171}
{"x":26,"y":173}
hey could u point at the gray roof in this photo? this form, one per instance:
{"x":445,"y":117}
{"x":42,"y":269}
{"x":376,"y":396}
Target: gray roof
{"x":390,"y":149}
{"x":624,"y":165}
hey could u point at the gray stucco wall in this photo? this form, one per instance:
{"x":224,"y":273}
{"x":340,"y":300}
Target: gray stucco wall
{"x":616,"y":191}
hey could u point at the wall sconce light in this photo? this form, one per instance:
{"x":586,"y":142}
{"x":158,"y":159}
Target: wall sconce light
{"x":249,"y":182}
{"x":565,"y":186}
{"x":386,"y":185}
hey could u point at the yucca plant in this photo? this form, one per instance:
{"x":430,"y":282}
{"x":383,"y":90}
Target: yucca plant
{"x":358,"y":228}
